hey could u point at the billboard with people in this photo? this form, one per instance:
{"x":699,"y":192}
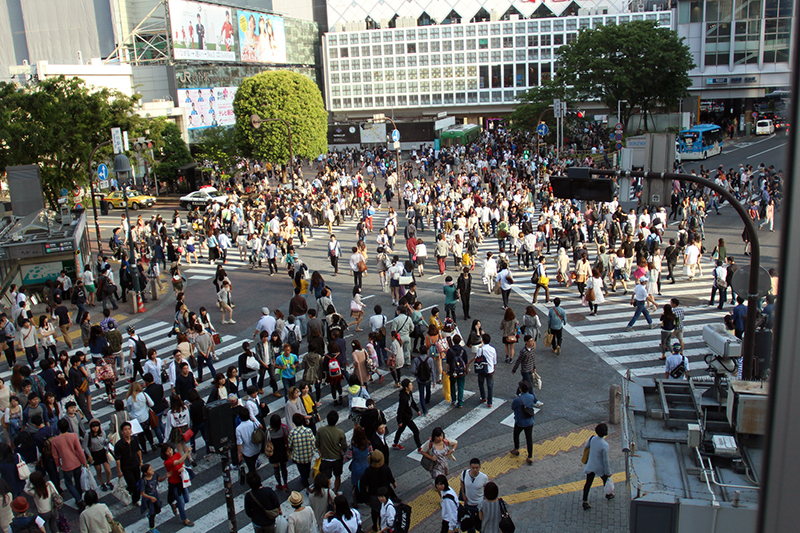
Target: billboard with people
{"x":202,"y":32}
{"x":262,"y":38}
{"x":208,"y":106}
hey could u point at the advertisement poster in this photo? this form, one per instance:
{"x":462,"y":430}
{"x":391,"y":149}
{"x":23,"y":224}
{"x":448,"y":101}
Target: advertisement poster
{"x":372,"y":133}
{"x":261,"y":37}
{"x":208,"y":107}
{"x":201,"y":32}
{"x":343,"y":134}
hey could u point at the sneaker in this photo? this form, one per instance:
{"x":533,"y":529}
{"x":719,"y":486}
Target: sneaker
{"x":188,"y":523}
{"x":110,"y":485}
{"x":231,"y":322}
{"x":398,"y":447}
{"x":628,"y":328}
{"x":586,"y":506}
{"x":489,"y":405}
{"x":103,"y":487}
{"x":538,"y":403}
{"x":483,"y":400}
{"x":514,"y":452}
{"x":653,"y":325}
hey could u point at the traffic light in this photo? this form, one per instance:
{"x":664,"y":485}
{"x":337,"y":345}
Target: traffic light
{"x":526,"y":154}
{"x":576,"y":113}
{"x":580,"y":114}
{"x":143,"y":144}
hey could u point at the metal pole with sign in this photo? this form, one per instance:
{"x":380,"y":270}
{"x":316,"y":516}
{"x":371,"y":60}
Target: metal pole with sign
{"x":91,"y":186}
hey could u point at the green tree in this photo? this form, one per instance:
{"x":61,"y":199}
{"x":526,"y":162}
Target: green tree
{"x":218,"y":146}
{"x":171,"y":152}
{"x":636,"y":61}
{"x":286,"y":95}
{"x":56,"y":124}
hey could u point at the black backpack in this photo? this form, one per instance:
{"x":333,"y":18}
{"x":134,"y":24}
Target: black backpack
{"x":141,"y":349}
{"x":459,"y":365}
{"x":424,"y":370}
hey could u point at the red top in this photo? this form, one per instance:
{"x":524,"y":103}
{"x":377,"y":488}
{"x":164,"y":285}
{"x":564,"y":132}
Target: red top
{"x":173,"y":466}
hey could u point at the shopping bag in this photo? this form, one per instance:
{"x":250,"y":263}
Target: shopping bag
{"x":87,"y":480}
{"x":548,"y":338}
{"x":537,"y":380}
{"x":122,"y":494}
{"x":609,"y":488}
{"x":186,"y":481}
{"x":129,"y":371}
{"x":315,"y":470}
{"x":216,"y":338}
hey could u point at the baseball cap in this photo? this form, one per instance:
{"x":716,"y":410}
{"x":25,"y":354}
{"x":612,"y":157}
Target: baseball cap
{"x":643,"y":280}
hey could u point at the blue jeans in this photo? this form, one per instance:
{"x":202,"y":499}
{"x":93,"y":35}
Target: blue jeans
{"x":201,"y":360}
{"x":181,"y":496}
{"x":287,"y":383}
{"x":301,"y":321}
{"x":72,"y":478}
{"x":424,"y":395}
{"x":489,"y":379}
{"x":527,"y":376}
{"x":640,"y":310}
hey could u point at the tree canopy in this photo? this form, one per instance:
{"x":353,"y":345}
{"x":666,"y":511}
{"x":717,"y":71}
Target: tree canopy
{"x":280,"y":94}
{"x":635,"y":61}
{"x":56,"y":124}
{"x":172,"y":152}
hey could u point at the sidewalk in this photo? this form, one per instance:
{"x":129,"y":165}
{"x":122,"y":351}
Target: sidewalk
{"x":545,"y":496}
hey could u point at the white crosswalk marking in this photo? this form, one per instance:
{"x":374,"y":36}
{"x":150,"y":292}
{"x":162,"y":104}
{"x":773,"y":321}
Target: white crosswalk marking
{"x":638,"y":350}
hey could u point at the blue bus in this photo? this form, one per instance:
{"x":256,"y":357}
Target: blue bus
{"x":700,"y":142}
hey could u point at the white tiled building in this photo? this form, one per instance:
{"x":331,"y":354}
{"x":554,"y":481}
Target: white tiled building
{"x":472,"y":58}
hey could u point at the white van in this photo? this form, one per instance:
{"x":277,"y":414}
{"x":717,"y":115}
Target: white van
{"x":765,"y":127}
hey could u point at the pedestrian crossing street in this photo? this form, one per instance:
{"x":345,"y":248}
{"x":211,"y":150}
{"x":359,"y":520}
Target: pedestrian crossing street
{"x":636,"y":351}
{"x":207,"y":507}
{"x":205,"y":271}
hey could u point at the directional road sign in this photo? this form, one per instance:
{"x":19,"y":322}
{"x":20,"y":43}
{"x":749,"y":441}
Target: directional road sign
{"x":102,"y":172}
{"x":541,"y":129}
{"x":63,"y":192}
{"x":396,"y":135}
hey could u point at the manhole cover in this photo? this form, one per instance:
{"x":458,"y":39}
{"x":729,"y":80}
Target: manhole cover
{"x":576,"y":317}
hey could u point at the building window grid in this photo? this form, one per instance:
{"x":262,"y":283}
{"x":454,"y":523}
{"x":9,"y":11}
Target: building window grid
{"x":521,"y":42}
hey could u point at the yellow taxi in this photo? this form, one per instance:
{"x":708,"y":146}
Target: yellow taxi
{"x":136,"y":200}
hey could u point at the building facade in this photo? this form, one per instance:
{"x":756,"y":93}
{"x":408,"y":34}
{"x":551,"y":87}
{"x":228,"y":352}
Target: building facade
{"x":474,"y":58}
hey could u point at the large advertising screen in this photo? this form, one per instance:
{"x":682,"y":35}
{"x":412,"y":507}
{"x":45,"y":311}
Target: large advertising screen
{"x":208,"y":106}
{"x":202,"y":32}
{"x":261,"y":37}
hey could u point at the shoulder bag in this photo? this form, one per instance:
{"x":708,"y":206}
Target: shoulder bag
{"x":586,"y":450}
{"x":272,"y":514}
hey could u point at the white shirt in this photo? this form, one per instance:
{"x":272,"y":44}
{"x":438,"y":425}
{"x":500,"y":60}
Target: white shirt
{"x":354,"y":260}
{"x":244,"y":437}
{"x":154,"y":368}
{"x":491,"y":360}
{"x":672,"y":363}
{"x":266,"y":323}
{"x":692,"y":254}
{"x":473,"y":486}
{"x":640,"y":293}
{"x":388,"y":513}
{"x":502,"y":277}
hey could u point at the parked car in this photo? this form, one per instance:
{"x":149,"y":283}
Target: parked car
{"x":135,"y":200}
{"x":202,"y":198}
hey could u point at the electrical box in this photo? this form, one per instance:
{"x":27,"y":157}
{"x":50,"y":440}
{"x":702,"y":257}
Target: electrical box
{"x":694,"y":436}
{"x":721,"y":342}
{"x":725,"y":445}
{"x":747,"y":407}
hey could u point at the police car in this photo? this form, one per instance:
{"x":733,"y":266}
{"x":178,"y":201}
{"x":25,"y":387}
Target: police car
{"x":205,"y":196}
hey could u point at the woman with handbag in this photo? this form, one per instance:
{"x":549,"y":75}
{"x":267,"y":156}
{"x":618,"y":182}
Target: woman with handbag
{"x":139,"y":404}
{"x":541,"y":280}
{"x":205,"y":320}
{"x":509,"y":326}
{"x":594,"y":292}
{"x":94,"y":446}
{"x":597,"y":463}
{"x":439,"y":450}
{"x":46,"y":498}
{"x":177,"y":494}
{"x":177,"y":426}
{"x":583,"y":271}
{"x":356,"y":309}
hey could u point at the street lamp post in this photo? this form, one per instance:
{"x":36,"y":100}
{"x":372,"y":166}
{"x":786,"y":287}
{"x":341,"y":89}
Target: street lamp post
{"x":619,"y":110}
{"x":380,"y":118}
{"x":94,"y":205}
{"x":256,"y":122}
{"x":122,"y":165}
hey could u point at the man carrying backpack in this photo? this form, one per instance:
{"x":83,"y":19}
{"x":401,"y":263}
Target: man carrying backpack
{"x":138,"y":353}
{"x":450,"y":505}
{"x":485,"y":360}
{"x":456,"y":358}
{"x":677,"y":364}
{"x":422,"y":369}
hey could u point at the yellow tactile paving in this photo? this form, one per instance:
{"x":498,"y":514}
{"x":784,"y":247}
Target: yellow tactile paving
{"x":564,"y":488}
{"x":426,"y":504}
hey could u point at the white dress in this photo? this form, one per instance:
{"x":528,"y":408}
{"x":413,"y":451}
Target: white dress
{"x":597,"y":285}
